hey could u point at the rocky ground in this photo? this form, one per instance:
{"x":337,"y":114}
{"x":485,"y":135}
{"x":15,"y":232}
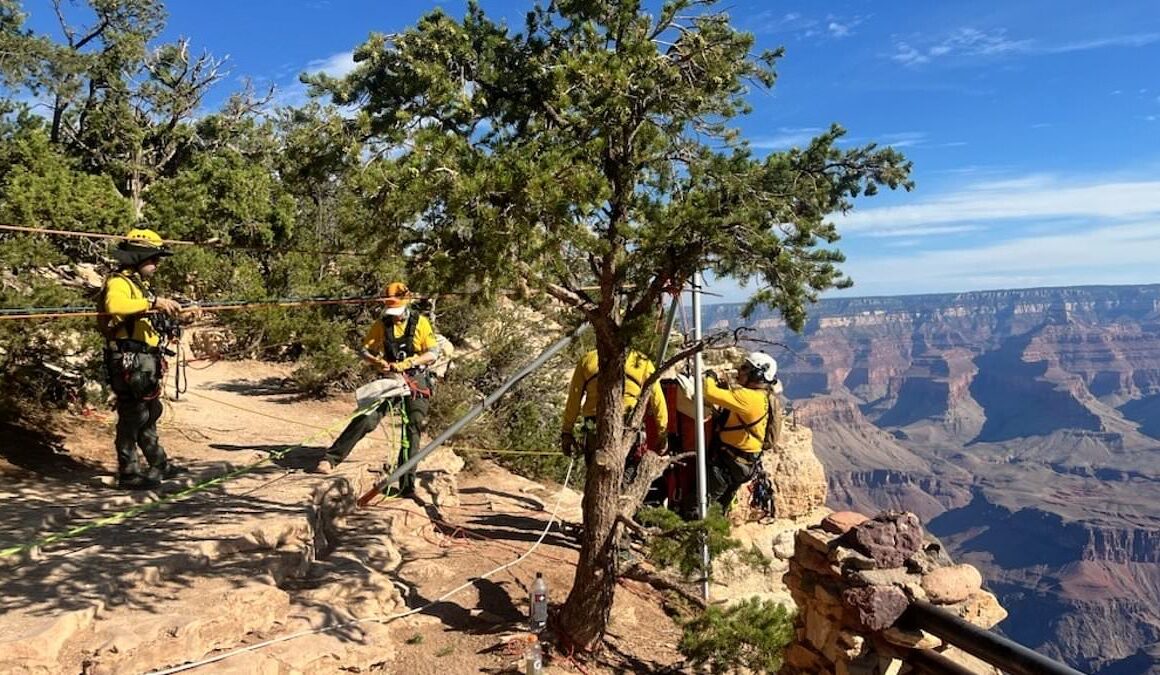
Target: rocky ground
{"x":269,"y":554}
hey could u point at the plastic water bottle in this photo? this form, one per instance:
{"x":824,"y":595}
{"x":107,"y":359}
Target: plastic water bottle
{"x":539,"y":604}
{"x":534,"y":659}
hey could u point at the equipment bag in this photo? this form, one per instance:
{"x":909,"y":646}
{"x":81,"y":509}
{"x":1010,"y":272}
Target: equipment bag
{"x":389,"y":387}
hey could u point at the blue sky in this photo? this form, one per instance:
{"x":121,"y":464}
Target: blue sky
{"x":1034,"y":126}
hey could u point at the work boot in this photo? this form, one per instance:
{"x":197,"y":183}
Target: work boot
{"x":136,"y":482}
{"x":172,"y":470}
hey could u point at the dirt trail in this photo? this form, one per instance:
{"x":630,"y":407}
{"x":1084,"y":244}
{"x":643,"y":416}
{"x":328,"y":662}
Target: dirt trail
{"x":270,"y":553}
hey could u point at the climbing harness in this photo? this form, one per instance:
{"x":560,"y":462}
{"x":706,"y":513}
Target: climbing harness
{"x":761,"y":492}
{"x":397,"y":349}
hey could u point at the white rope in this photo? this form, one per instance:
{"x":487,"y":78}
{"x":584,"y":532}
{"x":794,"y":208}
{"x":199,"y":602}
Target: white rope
{"x":386,"y":619}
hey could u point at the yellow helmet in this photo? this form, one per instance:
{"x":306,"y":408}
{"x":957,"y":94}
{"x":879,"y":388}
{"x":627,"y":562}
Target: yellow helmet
{"x":138,"y":246}
{"x":144,"y":237}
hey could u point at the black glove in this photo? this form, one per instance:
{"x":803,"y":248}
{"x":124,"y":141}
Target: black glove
{"x":567,"y":444}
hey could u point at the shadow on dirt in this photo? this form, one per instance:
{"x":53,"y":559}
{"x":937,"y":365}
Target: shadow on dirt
{"x":43,"y":452}
{"x":303,"y":458}
{"x":275,"y":389}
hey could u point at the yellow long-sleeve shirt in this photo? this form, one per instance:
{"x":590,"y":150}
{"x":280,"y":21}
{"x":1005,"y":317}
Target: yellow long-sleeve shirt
{"x":583,"y":390}
{"x":744,"y":429}
{"x":125,"y":297}
{"x":375,"y":340}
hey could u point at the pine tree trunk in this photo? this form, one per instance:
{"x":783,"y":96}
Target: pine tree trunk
{"x":585,"y":615}
{"x":137,"y":188}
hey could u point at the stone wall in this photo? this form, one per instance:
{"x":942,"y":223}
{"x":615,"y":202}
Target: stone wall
{"x":852,"y":578}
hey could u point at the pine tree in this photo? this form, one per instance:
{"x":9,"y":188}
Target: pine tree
{"x":594,"y":148}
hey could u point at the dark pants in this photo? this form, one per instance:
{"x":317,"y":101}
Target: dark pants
{"x":728,"y":471}
{"x":416,"y":407}
{"x":135,"y":378}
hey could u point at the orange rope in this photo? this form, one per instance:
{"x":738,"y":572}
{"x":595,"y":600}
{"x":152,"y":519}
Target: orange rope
{"x":212,"y":308}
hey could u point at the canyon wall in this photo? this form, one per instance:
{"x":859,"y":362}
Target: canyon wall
{"x":1022,"y":425}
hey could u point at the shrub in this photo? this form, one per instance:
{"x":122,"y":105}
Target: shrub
{"x":750,"y":635}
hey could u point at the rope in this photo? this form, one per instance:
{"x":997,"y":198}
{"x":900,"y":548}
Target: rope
{"x":21,"y":313}
{"x":388,"y":618}
{"x":289,"y":420}
{"x":180,"y":372}
{"x":252,"y":411}
{"x":144,"y":507}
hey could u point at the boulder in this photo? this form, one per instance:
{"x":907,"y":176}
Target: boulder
{"x":783,"y":545}
{"x":876,"y":607}
{"x":932,"y":556}
{"x":981,"y":609}
{"x":889,"y":539}
{"x":797,"y":475}
{"x":896,"y":576}
{"x":911,"y":639}
{"x":948,"y":585}
{"x":841,"y":522}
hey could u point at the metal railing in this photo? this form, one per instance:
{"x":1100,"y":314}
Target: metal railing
{"x":932,"y":663}
{"x":1006,"y":655}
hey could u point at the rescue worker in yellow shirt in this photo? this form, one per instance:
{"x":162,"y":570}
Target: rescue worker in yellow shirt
{"x":583,"y":392}
{"x":739,"y":426}
{"x":401,"y":341}
{"x":128,"y":316}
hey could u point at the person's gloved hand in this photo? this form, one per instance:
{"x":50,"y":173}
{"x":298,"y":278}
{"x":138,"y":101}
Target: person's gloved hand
{"x":567,"y":444}
{"x":712,"y":374}
{"x":167,"y":306}
{"x":400,"y":366}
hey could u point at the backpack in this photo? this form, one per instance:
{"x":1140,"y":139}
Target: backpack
{"x":773,"y":425}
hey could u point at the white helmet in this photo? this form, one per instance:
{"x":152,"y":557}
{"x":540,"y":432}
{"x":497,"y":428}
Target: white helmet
{"x":763,"y":365}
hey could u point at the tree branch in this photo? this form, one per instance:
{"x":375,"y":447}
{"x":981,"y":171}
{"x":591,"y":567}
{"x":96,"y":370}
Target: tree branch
{"x":639,"y":573}
{"x":650,"y":468}
{"x":635,"y":526}
{"x":571,"y":298}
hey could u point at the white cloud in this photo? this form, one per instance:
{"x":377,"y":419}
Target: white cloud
{"x":1029,"y":197}
{"x":293,"y":93}
{"x":962,"y":42}
{"x":1124,"y":253}
{"x":838,"y":30}
{"x":925,"y":231}
{"x":969,"y":42}
{"x":335,"y":65}
{"x":803,"y":26}
{"x":1132,"y":40}
{"x":909,"y":56}
{"x":903,"y":139}
{"x":786,"y":137}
